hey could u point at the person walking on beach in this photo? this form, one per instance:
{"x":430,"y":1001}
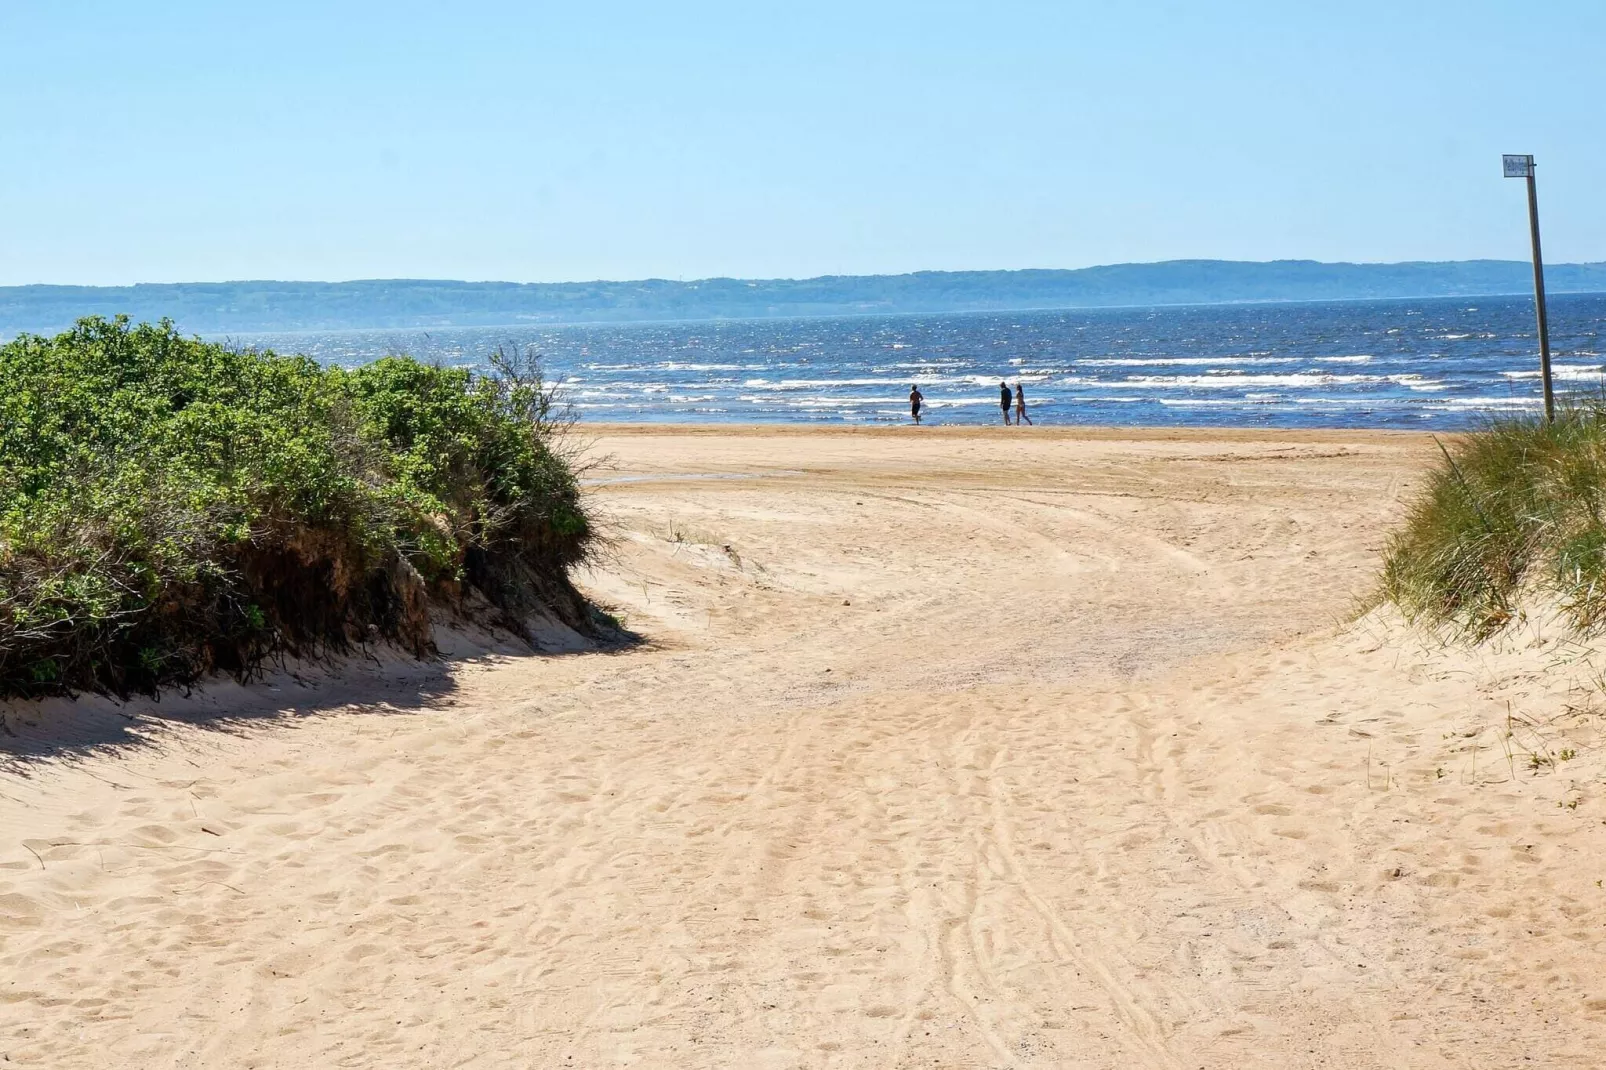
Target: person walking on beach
{"x":1020,"y":405}
{"x":915,"y":398}
{"x":1004,"y":399}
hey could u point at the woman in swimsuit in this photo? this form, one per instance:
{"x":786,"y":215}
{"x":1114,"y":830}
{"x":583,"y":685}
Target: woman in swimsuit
{"x":1020,"y":404}
{"x":915,"y":398}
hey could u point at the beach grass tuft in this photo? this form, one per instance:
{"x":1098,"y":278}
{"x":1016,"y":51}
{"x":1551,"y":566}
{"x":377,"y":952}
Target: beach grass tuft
{"x":1513,"y":509}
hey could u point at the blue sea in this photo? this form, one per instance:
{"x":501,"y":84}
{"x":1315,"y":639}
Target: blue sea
{"x":1440,"y":363}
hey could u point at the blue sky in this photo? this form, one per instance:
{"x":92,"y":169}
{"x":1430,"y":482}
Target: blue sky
{"x":172,"y":141}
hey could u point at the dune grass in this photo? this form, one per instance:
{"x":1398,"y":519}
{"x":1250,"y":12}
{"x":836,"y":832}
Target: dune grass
{"x":1514,"y":510}
{"x":170,"y":507}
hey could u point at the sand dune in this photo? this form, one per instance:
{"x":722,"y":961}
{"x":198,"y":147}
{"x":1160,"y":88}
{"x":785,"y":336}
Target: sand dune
{"x":946,"y":749}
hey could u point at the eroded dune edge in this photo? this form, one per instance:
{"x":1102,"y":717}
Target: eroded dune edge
{"x":983,"y":748}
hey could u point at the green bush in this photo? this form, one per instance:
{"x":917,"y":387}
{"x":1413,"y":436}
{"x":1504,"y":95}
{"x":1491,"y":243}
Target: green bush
{"x":170,"y":507}
{"x":1515,"y":508}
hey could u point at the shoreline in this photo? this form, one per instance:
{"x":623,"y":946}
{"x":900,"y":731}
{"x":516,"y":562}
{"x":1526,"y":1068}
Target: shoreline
{"x":1061,"y":432}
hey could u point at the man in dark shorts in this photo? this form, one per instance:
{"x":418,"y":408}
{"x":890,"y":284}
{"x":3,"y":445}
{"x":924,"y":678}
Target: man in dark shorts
{"x":915,"y":398}
{"x":1005,"y":399}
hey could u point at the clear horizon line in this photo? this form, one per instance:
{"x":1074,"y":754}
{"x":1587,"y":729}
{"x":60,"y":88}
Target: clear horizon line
{"x":796,"y":278}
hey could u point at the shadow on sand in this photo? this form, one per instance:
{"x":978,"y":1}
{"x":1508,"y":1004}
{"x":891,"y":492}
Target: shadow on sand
{"x":379,"y":679}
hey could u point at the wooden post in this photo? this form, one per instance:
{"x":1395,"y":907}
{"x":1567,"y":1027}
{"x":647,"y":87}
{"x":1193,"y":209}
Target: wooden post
{"x":1539,"y":296}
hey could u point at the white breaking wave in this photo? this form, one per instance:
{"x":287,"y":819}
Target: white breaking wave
{"x":1410,"y":381}
{"x":1138,"y":362}
{"x":1202,"y":403}
{"x":1367,"y":402}
{"x":814,"y":384}
{"x":1570,"y":372}
{"x":684,"y":366}
{"x":1448,"y":404}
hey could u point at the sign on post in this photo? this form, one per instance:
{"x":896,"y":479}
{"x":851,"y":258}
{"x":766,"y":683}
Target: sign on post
{"x":1518,"y":166}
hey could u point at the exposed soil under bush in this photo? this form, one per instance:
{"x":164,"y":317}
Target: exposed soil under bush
{"x":171,"y":508}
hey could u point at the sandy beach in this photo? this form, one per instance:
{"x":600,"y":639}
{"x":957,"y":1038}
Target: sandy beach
{"x":943,"y":748}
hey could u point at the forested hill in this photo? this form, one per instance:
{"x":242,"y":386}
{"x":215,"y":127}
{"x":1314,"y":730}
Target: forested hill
{"x":263,"y":306}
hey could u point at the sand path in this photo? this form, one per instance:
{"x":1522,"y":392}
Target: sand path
{"x":963,"y":749}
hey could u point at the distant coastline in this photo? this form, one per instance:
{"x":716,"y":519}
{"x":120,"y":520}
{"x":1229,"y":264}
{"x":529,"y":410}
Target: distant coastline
{"x":258,"y":306}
